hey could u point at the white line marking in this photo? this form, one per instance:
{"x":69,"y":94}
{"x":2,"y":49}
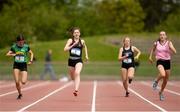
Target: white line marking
{"x":24,"y":89}
{"x":43,"y":98}
{"x":137,"y":94}
{"x":170,"y":91}
{"x":8,"y":85}
{"x":93,"y":108}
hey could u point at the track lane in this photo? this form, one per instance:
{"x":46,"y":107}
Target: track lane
{"x":9,"y":102}
{"x":171,"y":102}
{"x":111,"y":97}
{"x":7,"y":88}
{"x":65,"y":101}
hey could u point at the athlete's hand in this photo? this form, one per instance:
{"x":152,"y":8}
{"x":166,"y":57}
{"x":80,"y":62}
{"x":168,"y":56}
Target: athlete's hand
{"x":124,"y":57}
{"x":87,"y":58}
{"x":75,"y":43}
{"x":136,"y":57}
{"x":30,"y":62}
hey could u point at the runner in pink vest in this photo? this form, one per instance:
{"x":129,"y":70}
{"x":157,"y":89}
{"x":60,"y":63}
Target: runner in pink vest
{"x":163,"y":48}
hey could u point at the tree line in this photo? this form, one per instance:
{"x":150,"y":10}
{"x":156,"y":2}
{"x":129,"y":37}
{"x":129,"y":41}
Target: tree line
{"x":45,"y":20}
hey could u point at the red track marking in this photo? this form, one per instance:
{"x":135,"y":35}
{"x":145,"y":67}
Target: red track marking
{"x":111,"y":97}
{"x":65,"y":101}
{"x":171,"y":102}
{"x":9,"y":103}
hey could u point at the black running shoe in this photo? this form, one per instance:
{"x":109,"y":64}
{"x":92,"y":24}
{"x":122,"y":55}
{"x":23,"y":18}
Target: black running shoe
{"x":130,"y":80}
{"x":19,"y":96}
{"x":127,"y":94}
{"x":75,"y":93}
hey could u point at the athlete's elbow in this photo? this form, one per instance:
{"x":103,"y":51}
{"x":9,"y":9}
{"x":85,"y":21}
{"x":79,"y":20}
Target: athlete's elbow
{"x":65,"y":49}
{"x":119,"y":59}
{"x":7,"y":54}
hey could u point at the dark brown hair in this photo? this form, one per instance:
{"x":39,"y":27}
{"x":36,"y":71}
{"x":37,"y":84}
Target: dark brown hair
{"x":71,"y":31}
{"x":20,"y":37}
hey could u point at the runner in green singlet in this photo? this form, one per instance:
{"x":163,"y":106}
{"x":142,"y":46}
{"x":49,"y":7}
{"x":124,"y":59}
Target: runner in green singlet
{"x":20,"y":51}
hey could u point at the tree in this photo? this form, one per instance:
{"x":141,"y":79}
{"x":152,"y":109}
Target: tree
{"x":120,"y":16}
{"x":171,"y":24}
{"x":157,"y":11}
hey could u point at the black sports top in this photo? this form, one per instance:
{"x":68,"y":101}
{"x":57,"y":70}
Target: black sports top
{"x":130,"y":54}
{"x":76,"y":51}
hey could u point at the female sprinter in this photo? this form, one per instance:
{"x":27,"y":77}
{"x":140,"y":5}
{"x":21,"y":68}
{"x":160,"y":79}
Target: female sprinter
{"x":75,"y":45}
{"x":126,"y":56}
{"x":163,"y":49}
{"x":20,"y":52}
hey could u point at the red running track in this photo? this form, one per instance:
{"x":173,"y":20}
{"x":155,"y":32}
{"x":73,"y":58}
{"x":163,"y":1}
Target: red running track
{"x":93,"y":96}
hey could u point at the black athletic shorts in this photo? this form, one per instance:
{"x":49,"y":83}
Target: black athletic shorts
{"x":127,"y":66}
{"x":73,"y":63}
{"x":20,"y":66}
{"x":165,"y":63}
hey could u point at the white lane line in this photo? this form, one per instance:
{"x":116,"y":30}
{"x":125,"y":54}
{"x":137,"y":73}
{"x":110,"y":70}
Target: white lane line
{"x":43,"y":98}
{"x":24,"y":89}
{"x":93,"y":108}
{"x":167,"y":90}
{"x":8,"y":85}
{"x":137,"y":94}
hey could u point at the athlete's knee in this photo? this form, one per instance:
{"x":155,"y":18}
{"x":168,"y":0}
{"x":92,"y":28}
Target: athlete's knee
{"x":131,"y":77}
{"x":77,"y":73}
{"x":23,"y":82}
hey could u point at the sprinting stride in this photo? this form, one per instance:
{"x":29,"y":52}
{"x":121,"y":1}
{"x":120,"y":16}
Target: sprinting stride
{"x":75,"y":46}
{"x":20,"y":51}
{"x":126,"y":56}
{"x":163,"y":49}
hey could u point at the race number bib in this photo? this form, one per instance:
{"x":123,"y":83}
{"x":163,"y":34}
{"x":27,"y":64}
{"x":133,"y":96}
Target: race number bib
{"x":19,"y":58}
{"x":128,"y":60}
{"x":76,"y":51}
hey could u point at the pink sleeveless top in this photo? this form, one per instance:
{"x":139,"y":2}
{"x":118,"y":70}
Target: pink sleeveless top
{"x":162,"y":51}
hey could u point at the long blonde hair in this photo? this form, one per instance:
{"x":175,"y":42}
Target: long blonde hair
{"x":126,"y":37}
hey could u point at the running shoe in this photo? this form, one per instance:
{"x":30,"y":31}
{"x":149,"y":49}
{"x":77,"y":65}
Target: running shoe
{"x":161,"y":97}
{"x":155,"y":84}
{"x":19,"y":96}
{"x":130,"y":80}
{"x":75,"y":93}
{"x":127,"y":94}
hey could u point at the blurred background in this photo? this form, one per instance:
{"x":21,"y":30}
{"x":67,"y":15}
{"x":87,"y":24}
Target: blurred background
{"x":103,"y":24}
